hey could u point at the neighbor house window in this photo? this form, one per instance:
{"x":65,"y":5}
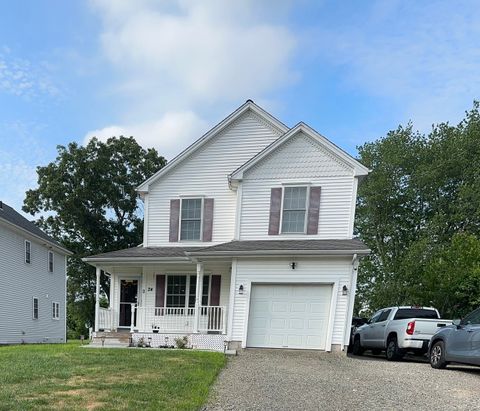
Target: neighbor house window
{"x":294,"y":209}
{"x":50,"y":262}
{"x":28,"y":252}
{"x":35,"y":308}
{"x":191,"y":219}
{"x":55,"y":311}
{"x":181,"y":291}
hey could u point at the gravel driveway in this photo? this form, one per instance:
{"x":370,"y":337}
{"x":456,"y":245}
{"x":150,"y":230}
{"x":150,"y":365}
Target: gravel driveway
{"x":307,"y":380}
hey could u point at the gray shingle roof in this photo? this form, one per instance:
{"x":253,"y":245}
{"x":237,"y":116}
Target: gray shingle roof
{"x":245,"y":247}
{"x":8,"y":214}
{"x":145,"y":252}
{"x":285,"y":245}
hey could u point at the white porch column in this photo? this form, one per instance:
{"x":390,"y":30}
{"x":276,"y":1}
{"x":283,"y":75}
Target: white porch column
{"x":198,"y":296}
{"x":110,"y":302}
{"x":97,"y":299}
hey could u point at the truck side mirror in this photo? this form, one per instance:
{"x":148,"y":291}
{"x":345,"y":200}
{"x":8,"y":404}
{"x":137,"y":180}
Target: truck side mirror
{"x":457,"y":323}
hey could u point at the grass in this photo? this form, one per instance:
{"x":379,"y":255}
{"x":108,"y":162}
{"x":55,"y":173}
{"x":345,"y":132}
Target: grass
{"x":68,"y":376}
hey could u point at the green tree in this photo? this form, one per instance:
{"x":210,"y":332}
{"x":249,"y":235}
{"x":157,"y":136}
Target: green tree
{"x":88,"y":200}
{"x":420,"y":204}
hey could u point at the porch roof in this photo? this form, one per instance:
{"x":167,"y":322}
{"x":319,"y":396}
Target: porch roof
{"x":234,"y":248}
{"x":276,"y":247}
{"x":143,"y":253}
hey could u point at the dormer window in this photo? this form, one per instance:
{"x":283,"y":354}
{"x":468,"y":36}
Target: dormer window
{"x":294,"y":210}
{"x":191,"y":219}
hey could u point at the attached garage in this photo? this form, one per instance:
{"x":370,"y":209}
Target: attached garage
{"x":289,"y":316}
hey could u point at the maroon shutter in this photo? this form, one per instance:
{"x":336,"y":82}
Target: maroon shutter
{"x":215,"y":290}
{"x":207,"y":219}
{"x":160,"y":291}
{"x":275,"y":207}
{"x":313,"y":210}
{"x":174,"y":220}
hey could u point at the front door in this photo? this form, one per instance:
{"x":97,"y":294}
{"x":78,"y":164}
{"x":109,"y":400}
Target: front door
{"x":128,"y":296}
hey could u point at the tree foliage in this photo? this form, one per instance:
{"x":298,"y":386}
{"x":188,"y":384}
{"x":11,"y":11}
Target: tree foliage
{"x":88,"y":200}
{"x":419,"y":212}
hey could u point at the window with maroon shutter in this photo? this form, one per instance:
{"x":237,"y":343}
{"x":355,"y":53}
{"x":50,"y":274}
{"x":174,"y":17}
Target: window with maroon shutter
{"x":174,"y":219}
{"x":275,"y":210}
{"x":160,"y":293}
{"x":207,"y":219}
{"x":313,"y":210}
{"x":215,"y":290}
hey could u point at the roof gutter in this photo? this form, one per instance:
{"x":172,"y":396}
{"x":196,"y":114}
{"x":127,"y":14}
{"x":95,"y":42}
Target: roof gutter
{"x":277,"y":252}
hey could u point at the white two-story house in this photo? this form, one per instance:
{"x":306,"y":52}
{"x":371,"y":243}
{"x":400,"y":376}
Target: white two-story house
{"x":32,"y":282}
{"x":248,"y":242}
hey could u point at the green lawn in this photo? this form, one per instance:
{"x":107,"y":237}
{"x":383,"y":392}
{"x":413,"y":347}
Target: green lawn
{"x":68,"y":376}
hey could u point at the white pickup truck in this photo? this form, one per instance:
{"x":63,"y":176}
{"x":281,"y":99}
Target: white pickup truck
{"x":398,"y":330}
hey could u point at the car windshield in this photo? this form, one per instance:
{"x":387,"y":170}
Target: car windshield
{"x":404,"y":313}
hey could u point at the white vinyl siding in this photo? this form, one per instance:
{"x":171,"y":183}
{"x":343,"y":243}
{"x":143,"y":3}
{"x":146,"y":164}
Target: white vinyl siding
{"x":205,"y":173}
{"x":299,"y":162}
{"x":294,"y":209}
{"x":20,"y":283}
{"x":308,"y":271}
{"x":191,"y":219}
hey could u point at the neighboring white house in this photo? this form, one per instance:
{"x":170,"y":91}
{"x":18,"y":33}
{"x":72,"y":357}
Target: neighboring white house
{"x":248,"y":240}
{"x":32,"y":282}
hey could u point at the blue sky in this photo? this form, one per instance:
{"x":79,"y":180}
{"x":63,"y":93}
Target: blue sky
{"x":166,"y":71}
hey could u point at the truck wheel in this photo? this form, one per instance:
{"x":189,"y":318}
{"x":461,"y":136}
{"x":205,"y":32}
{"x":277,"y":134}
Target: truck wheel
{"x":357,"y":348}
{"x":393,"y":353}
{"x":437,"y":355}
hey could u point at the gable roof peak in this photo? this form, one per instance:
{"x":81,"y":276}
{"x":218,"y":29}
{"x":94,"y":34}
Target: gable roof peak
{"x":249,"y":105}
{"x":358,"y":168}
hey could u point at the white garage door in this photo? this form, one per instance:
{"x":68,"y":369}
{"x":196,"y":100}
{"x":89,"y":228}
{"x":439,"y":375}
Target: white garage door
{"x":289,"y":316}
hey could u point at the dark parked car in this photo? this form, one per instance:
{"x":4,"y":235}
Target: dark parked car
{"x":458,"y":343}
{"x":356,"y":322}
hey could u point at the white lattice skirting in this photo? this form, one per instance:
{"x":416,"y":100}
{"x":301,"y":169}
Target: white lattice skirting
{"x":213,"y":342}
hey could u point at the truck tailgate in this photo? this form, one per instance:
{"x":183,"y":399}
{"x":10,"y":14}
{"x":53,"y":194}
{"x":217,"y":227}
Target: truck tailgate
{"x":425,"y":328}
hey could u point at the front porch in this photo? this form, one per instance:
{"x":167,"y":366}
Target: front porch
{"x":156,"y":303}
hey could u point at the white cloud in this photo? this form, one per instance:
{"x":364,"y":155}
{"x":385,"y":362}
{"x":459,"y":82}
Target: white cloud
{"x":167,"y":134}
{"x":422,"y":57}
{"x":22,"y":78}
{"x":176,"y":60}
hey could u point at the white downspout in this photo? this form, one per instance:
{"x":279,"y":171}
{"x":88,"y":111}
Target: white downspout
{"x":351,"y":300}
{"x":198,"y":296}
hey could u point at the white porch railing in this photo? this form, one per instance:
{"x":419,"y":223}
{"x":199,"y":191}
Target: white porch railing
{"x":181,"y":320}
{"x":105,"y":318}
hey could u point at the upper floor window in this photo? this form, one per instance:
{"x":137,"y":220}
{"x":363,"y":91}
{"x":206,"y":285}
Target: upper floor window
{"x":191,"y":219}
{"x":35,"y":308}
{"x":28,"y":252}
{"x":50,"y":261}
{"x":294,"y":209}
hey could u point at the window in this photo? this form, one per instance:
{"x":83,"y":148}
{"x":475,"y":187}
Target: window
{"x":177,"y":286}
{"x":50,"y":262}
{"x":384,"y":315}
{"x":55,"y":311}
{"x":472,"y":318}
{"x":375,"y":317}
{"x":191,"y":219}
{"x":35,"y":308}
{"x":28,"y":254}
{"x":294,"y":209}
{"x":405,"y":313}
